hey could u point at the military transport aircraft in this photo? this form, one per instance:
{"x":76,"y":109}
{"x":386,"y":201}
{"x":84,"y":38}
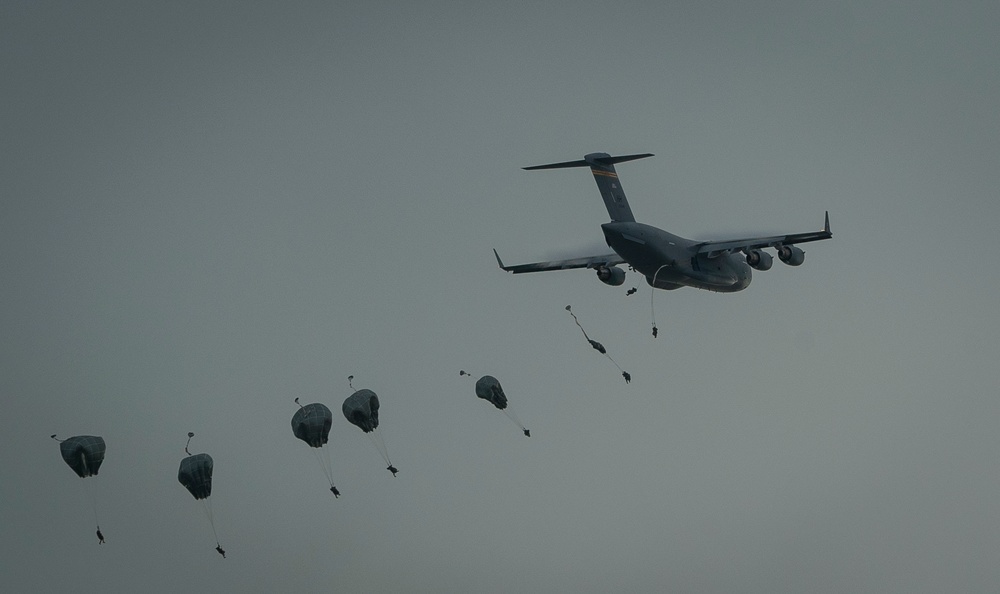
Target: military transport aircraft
{"x":666,"y":260}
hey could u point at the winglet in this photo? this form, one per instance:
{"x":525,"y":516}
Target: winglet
{"x":499,"y":261}
{"x":826,"y":225}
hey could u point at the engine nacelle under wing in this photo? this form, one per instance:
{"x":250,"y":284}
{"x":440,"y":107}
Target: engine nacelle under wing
{"x":759,"y":260}
{"x":611,"y":275}
{"x":791,"y":255}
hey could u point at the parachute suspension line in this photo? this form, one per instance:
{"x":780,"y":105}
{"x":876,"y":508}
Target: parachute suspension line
{"x":322,"y":456}
{"x":613,"y":361}
{"x":381,"y":439}
{"x":379,"y":443}
{"x":350,"y":380}
{"x":517,"y":421}
{"x":190,"y":435}
{"x":385,"y":448}
{"x":327,"y":464}
{"x":513,"y":417}
{"x":322,"y":459}
{"x":206,"y":506}
{"x":652,"y":292}
{"x":371,"y":437}
{"x":625,"y":374}
{"x":93,"y":500}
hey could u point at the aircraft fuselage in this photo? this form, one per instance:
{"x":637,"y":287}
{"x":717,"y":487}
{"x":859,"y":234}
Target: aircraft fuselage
{"x":670,"y":262}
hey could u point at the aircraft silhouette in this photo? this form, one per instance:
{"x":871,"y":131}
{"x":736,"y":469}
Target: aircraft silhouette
{"x":666,"y":260}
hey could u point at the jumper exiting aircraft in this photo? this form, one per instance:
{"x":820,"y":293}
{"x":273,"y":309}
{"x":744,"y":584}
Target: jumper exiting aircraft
{"x":666,"y":260}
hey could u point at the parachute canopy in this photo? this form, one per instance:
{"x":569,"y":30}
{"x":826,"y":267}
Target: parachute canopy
{"x":312,"y":423}
{"x":361,"y":409}
{"x":83,"y":453}
{"x":196,"y":475}
{"x":488,"y":388}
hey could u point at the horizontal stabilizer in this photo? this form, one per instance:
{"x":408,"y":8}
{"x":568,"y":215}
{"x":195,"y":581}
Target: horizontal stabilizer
{"x":558,"y":165}
{"x":602,"y":165}
{"x":621,"y":158}
{"x":594,"y":159}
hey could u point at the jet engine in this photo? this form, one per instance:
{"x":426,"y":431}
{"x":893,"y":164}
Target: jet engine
{"x":611,"y":275}
{"x":759,"y":260}
{"x":791,"y":255}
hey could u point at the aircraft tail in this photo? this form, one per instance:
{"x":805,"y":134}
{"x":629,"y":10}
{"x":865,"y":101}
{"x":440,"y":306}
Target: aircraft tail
{"x":602,"y":165}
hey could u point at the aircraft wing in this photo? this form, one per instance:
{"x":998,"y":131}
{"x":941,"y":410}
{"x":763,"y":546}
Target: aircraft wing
{"x":716,"y":248}
{"x":586,"y":262}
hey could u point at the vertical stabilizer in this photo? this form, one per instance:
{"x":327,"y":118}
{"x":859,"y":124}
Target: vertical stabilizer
{"x":602,"y":165}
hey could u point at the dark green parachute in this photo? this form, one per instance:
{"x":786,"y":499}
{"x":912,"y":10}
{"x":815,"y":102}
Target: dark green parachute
{"x":83,"y":453}
{"x":361,"y":409}
{"x":312,"y":423}
{"x":488,"y":388}
{"x":195,"y":474}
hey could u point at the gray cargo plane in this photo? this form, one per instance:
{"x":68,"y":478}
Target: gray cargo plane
{"x":666,"y":260}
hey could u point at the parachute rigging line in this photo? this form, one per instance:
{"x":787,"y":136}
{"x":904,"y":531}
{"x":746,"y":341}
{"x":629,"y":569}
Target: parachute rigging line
{"x":93,"y":501}
{"x":322,"y":456}
{"x":206,"y":506}
{"x":652,"y":289}
{"x":379,"y":442}
{"x":513,"y":417}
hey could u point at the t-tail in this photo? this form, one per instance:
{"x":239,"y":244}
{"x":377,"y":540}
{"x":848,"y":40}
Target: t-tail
{"x":602,"y":165}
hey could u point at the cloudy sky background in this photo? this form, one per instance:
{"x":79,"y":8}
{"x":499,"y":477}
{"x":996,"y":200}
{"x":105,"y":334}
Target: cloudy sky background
{"x":212,"y":209}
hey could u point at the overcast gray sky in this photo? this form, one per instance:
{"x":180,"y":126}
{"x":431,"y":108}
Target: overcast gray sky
{"x":210,"y":209}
